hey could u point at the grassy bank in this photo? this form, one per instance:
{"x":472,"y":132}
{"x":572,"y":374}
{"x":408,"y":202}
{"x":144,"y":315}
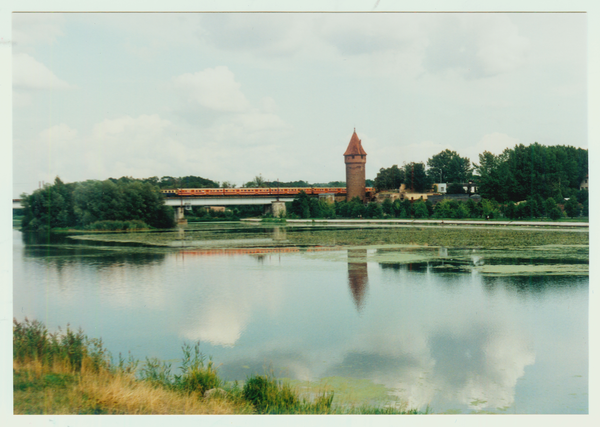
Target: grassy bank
{"x":69,"y":373}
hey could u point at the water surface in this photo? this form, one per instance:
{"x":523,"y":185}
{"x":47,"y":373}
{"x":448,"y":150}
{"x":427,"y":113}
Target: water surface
{"x":487,"y":328}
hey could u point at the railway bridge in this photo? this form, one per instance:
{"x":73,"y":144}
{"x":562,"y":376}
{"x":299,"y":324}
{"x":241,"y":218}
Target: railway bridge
{"x":273,"y":204}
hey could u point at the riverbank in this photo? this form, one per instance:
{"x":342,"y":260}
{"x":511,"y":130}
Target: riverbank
{"x":430,"y":222}
{"x":71,"y":374}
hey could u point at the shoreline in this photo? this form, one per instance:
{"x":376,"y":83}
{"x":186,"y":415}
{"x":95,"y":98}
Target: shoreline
{"x":428,"y":222}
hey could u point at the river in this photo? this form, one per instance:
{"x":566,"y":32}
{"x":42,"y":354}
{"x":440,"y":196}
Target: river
{"x":381,"y":315}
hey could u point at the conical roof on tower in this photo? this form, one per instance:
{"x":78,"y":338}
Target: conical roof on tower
{"x":355,"y":147}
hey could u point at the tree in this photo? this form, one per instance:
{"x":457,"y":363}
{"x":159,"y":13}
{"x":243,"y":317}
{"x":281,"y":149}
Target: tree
{"x":493,"y":176}
{"x":445,"y":209}
{"x":549,"y":206}
{"x":84,"y":203}
{"x":301,"y":205}
{"x":556,"y":213}
{"x":455,"y":188}
{"x":388,"y":207}
{"x":416,"y":178}
{"x":572,"y":208}
{"x":374,"y":210}
{"x":356,"y":208}
{"x":448,"y":166}
{"x":389,"y":179}
{"x":257,"y":182}
{"x":421,"y":210}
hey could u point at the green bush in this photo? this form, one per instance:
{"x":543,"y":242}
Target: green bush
{"x":33,"y":342}
{"x":196,"y":376}
{"x":269,"y":395}
{"x":556,"y":213}
{"x":117,"y":225}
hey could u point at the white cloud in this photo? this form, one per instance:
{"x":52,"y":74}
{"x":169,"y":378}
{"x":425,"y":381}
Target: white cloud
{"x":500,"y":47}
{"x":495,"y":143}
{"x":264,"y":34}
{"x":268,"y":105}
{"x":138,"y":128}
{"x":58,"y":135}
{"x":478,"y":45}
{"x":21,"y":99}
{"x":31,"y":74}
{"x":37,"y":28}
{"x":358,"y":34}
{"x":213,"y":88}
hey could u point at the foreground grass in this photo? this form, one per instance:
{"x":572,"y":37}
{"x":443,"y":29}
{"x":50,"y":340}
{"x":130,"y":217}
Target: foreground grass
{"x":59,"y":390}
{"x":68,"y":373}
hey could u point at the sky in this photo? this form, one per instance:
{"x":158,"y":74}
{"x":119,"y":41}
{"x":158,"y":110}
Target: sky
{"x":229,"y":96}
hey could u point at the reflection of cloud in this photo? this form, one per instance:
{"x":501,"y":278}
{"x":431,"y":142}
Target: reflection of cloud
{"x":223,"y":305}
{"x":218,"y":325}
{"x":464,"y":359}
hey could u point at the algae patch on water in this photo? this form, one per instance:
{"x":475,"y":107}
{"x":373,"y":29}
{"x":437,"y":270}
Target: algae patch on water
{"x":350,"y":392}
{"x":276,"y":235}
{"x":530,"y":270}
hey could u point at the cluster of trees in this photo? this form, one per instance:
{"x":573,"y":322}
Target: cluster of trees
{"x":522,"y":172}
{"x":81,"y":204}
{"x":306,"y":207}
{"x":260,"y":182}
{"x":172,"y":182}
{"x":310,"y":207}
{"x":515,"y":175}
{"x":413,"y":175}
{"x":446,"y":166}
{"x":536,"y":207}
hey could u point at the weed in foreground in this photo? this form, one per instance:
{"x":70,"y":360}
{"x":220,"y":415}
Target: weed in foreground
{"x":271,"y":396}
{"x":196,"y":375}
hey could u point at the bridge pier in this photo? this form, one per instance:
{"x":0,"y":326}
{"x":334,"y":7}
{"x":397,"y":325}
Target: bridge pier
{"x":179,"y":216}
{"x":277,"y":209}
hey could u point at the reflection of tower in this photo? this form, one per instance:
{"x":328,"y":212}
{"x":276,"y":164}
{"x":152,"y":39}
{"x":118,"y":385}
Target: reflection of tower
{"x":358,"y":276}
{"x":279,"y":233}
{"x":355,"y":158}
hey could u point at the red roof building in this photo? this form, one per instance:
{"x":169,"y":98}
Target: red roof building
{"x":355,"y":158}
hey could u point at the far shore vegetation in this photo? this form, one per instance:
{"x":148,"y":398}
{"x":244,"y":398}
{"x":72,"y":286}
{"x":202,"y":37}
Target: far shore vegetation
{"x":523,"y":183}
{"x":70,"y":374}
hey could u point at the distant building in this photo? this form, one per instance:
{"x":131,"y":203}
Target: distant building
{"x":355,"y":158}
{"x":584,"y":184}
{"x":441,"y":187}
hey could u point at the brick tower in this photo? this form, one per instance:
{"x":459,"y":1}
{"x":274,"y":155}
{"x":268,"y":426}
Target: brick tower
{"x":355,"y":158}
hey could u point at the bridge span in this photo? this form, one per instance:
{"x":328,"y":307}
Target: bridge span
{"x":225,"y":200}
{"x":208,"y":201}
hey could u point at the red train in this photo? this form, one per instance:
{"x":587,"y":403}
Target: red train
{"x":187,"y":192}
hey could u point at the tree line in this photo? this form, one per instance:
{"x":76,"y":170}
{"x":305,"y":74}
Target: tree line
{"x":306,"y":207}
{"x":260,"y":182}
{"x":121,"y":204}
{"x":515,"y":175}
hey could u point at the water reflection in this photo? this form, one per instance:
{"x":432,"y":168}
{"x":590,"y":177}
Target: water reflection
{"x":433,"y":331}
{"x":196,"y":237}
{"x":358,"y":275}
{"x":532,"y":285}
{"x":59,"y":252}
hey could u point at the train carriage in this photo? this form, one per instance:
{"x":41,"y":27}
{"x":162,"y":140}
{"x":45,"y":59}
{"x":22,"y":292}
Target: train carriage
{"x":191,"y":192}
